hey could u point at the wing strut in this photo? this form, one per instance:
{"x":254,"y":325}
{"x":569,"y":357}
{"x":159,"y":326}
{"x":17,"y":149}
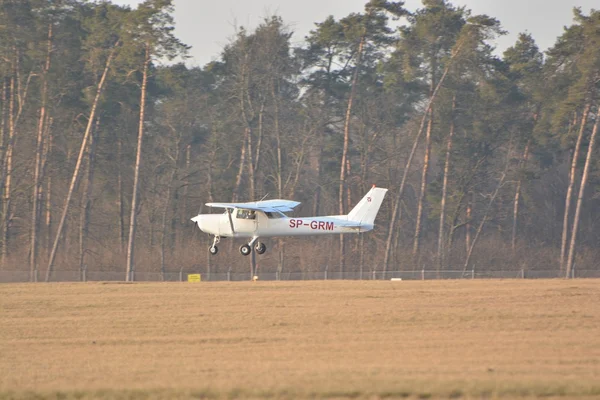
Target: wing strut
{"x":229,"y":210}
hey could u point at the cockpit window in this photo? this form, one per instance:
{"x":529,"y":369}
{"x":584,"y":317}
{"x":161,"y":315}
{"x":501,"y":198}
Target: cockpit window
{"x":245,"y":214}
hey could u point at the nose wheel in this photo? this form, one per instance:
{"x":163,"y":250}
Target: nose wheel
{"x":214,"y":249}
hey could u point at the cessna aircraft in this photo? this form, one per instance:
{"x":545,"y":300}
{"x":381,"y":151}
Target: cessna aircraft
{"x":267,"y":219}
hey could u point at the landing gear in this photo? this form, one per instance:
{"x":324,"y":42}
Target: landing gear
{"x":260,"y":247}
{"x":214,"y":249}
{"x":245,"y":249}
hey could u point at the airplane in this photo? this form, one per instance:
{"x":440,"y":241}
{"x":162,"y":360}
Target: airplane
{"x":266,"y":218}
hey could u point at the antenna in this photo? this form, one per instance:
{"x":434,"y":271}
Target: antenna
{"x":264,"y":197}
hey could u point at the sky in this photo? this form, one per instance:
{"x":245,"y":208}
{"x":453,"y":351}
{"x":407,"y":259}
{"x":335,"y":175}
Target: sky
{"x":208,"y":25}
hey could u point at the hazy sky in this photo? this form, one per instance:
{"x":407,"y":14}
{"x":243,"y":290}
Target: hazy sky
{"x":207,"y":25}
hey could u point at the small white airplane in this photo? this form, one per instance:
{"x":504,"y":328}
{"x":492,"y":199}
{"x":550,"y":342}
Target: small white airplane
{"x":267,"y":219}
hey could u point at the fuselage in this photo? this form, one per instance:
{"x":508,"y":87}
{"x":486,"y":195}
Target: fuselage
{"x":274,"y":224}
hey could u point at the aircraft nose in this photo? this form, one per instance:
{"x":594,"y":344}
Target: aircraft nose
{"x":200,"y":221}
{"x":208,"y":223}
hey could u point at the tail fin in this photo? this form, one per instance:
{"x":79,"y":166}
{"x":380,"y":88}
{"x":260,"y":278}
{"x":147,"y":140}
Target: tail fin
{"x":366,"y":209}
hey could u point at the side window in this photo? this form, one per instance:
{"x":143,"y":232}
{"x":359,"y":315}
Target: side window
{"x":273,"y":215}
{"x":245,"y":214}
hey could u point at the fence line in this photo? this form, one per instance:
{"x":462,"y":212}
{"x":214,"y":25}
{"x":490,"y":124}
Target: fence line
{"x":181,"y":275}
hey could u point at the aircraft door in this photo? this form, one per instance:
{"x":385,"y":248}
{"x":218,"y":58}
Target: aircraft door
{"x":225,"y":224}
{"x":245,"y":222}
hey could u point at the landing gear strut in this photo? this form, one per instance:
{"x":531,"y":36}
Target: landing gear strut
{"x":214,"y":249}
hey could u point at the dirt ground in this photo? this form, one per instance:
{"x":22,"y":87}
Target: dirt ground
{"x":317,"y":339}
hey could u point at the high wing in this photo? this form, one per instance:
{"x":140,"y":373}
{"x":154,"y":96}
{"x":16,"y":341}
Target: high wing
{"x":265,"y":205}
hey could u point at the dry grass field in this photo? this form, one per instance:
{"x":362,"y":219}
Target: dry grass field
{"x":270,"y":340}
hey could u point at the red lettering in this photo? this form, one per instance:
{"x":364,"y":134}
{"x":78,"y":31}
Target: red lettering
{"x":315,"y":225}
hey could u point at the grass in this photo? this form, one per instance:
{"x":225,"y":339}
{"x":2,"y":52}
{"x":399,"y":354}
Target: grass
{"x":287,"y":340}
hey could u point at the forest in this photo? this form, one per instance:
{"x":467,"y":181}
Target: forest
{"x":110,"y":143}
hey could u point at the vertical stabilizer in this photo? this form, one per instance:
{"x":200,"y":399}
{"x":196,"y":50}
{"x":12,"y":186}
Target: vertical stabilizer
{"x":366,"y":209}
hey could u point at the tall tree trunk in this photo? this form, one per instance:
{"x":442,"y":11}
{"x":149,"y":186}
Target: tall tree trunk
{"x":48,"y":216}
{"x":46,"y":213}
{"x":75,"y":177}
{"x":3,"y":153}
{"x":36,"y":197}
{"x":368,"y":144}
{"x":318,"y":170}
{"x":240,"y":175}
{"x":184,"y":212}
{"x":120,"y":195}
{"x":522,"y":165}
{"x":277,"y":130}
{"x":209,"y":191}
{"x":170,"y":206}
{"x":299,"y":161}
{"x":572,"y":172}
{"x":246,"y":111}
{"x":343,"y":164}
{"x":7,"y":176}
{"x":584,"y":179}
{"x":450,"y":241}
{"x":469,"y":216}
{"x":136,"y":174}
{"x":425,"y":169}
{"x":423,"y":189}
{"x":259,"y":139}
{"x":163,"y":239}
{"x":3,"y":139}
{"x":87,"y":199}
{"x":483,"y":221}
{"x":254,"y":159}
{"x":276,"y":127}
{"x":175,"y":205}
{"x":37,"y":178}
{"x":440,"y":249}
{"x":395,"y":211}
{"x":18,"y":98}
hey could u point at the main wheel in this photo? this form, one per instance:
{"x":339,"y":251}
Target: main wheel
{"x":260,"y":247}
{"x":213,"y":250}
{"x":245,"y":250}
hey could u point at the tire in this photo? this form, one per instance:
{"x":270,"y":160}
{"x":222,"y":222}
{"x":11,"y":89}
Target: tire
{"x":245,"y":250}
{"x":260,"y":248}
{"x":213,"y":250}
